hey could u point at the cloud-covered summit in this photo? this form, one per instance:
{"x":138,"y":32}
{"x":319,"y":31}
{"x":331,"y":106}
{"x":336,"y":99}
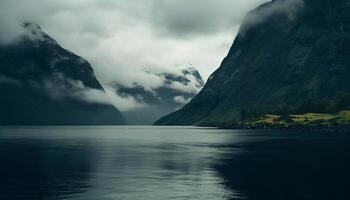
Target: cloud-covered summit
{"x":44,"y":84}
{"x":184,"y":18}
{"x":126,"y":40}
{"x":277,"y":9}
{"x":150,"y":32}
{"x":176,"y":89}
{"x":184,"y":83}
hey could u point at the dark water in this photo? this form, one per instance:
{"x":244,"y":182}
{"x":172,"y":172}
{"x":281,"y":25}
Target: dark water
{"x":116,"y":163}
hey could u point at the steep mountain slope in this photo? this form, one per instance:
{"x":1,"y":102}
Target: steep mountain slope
{"x":290,"y":57}
{"x":43,"y":84}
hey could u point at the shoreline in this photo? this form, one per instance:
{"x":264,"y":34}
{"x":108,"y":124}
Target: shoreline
{"x":342,"y":128}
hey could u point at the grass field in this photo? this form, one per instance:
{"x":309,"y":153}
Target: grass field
{"x":305,"y":120}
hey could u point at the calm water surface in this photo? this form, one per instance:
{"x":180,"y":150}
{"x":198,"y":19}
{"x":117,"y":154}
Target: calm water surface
{"x":117,"y":163}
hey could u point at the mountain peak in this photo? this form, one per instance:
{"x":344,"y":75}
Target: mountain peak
{"x":45,"y":84}
{"x":177,"y":86}
{"x":288,"y":61}
{"x":32,"y":26}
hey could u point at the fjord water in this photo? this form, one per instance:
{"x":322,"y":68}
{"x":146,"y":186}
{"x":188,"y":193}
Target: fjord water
{"x":171,"y":163}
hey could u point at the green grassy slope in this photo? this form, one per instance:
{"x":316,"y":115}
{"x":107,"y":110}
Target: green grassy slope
{"x":307,"y":120}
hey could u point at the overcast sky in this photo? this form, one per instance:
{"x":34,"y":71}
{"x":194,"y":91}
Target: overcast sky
{"x":124,"y":38}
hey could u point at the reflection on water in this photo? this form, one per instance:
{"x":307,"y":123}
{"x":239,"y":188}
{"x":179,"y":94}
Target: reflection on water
{"x":32,"y":169}
{"x":291,"y":166}
{"x":111,"y":163}
{"x":170,"y":163}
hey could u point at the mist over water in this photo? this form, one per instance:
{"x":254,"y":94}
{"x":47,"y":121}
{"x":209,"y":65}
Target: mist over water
{"x":163,"y":163}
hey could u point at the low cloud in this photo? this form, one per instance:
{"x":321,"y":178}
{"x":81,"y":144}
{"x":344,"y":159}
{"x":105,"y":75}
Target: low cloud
{"x":59,"y":87}
{"x":8,"y":80}
{"x":178,"y":87}
{"x":181,"y":99}
{"x":125,"y":40}
{"x":184,"y":18}
{"x":181,"y":81}
{"x":288,"y":8}
{"x":122,"y":38}
{"x":124,"y":103}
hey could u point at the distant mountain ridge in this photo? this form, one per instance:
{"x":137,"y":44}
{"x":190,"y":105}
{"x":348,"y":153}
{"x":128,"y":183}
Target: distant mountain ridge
{"x":287,"y":59}
{"x":43,"y":84}
{"x":178,"y":87}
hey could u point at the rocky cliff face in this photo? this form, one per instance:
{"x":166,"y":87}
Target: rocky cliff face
{"x":43,"y":84}
{"x":289,"y":57}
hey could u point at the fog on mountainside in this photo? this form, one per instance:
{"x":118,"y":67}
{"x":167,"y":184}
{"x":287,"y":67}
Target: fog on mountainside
{"x":177,"y":89}
{"x":290,"y":57}
{"x":44,"y":84}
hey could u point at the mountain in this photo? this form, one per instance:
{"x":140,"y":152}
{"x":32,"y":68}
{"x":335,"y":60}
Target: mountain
{"x":178,"y":87}
{"x":43,"y":84}
{"x":290,"y":57}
